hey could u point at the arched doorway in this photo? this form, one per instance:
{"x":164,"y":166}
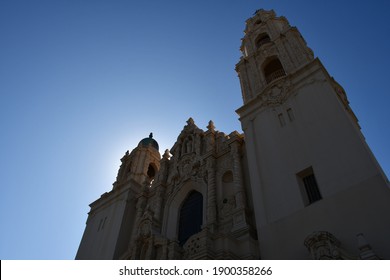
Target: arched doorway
{"x":190,"y":216}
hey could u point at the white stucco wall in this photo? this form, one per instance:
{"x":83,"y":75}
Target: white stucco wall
{"x":322,"y":136}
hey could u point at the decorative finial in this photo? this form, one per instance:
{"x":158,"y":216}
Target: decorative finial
{"x":166,"y":154}
{"x":211,"y":126}
{"x":190,"y":121}
{"x":151,"y":135}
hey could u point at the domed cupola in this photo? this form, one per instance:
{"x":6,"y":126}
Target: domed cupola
{"x":142,"y":164}
{"x":146,"y":142}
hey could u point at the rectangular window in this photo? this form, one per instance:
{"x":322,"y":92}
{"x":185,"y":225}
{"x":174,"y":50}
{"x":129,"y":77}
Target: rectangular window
{"x":309,"y":187}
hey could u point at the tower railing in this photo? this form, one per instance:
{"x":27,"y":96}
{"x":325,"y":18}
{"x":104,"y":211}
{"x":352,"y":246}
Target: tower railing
{"x":275,"y":75}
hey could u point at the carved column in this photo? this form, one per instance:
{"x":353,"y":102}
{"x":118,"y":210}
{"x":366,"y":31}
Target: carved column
{"x":173,"y":251}
{"x":125,"y":162}
{"x":161,"y":179}
{"x":210,"y":137}
{"x":149,"y":250}
{"x":158,"y":202}
{"x":237,"y":176}
{"x":198,"y":143}
{"x":211,"y":193}
{"x":165,"y":250}
{"x":139,"y":210}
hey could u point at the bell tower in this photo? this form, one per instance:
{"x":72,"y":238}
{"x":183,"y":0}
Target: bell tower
{"x":113,"y":217}
{"x":271,"y":49}
{"x":310,"y":167}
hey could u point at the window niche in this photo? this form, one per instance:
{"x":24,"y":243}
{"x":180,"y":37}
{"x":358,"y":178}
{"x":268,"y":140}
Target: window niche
{"x":262,"y":39}
{"x":273,"y":70}
{"x":151,"y":171}
{"x":259,"y":21}
{"x":308,"y":185}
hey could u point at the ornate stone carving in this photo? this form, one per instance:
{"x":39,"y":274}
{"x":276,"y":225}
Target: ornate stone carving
{"x":237,"y":171}
{"x":196,"y":158}
{"x":268,"y":50}
{"x":124,"y":167}
{"x":323,"y":246}
{"x":211,"y":126}
{"x":210,"y":142}
{"x":166,"y":154}
{"x":145,"y":229}
{"x":198,"y":144}
{"x":211,"y":190}
{"x":164,"y":165}
{"x":227,"y":206}
{"x":224,"y":164}
{"x":278,"y":93}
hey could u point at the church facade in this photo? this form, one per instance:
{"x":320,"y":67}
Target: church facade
{"x":300,"y":182}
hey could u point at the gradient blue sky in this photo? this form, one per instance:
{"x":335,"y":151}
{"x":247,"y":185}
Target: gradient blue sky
{"x":83,"y":81}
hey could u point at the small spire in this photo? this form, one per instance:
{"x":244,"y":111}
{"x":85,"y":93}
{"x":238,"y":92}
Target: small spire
{"x":151,"y":135}
{"x":166,"y":154}
{"x":190,"y":121}
{"x":211,"y":126}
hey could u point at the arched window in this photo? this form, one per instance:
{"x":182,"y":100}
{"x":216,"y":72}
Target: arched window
{"x":262,"y":39}
{"x":151,"y":172}
{"x":273,"y":70}
{"x":191,"y":217}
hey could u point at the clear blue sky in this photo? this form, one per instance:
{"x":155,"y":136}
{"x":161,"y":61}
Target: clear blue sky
{"x":82,"y":81}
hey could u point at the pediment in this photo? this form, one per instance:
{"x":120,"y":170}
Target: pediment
{"x":189,"y":141}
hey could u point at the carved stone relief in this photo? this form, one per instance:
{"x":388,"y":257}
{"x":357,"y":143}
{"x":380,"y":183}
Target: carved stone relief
{"x":227,"y":206}
{"x":277,"y":94}
{"x":145,"y":229}
{"x":323,"y":246}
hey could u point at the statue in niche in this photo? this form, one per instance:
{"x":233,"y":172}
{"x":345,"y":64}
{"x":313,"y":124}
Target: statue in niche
{"x":176,"y":153}
{"x":189,"y":145}
{"x":183,"y":148}
{"x":209,"y":142}
{"x":166,"y":154}
{"x":145,"y":229}
{"x":198,"y":144}
{"x":211,"y":126}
